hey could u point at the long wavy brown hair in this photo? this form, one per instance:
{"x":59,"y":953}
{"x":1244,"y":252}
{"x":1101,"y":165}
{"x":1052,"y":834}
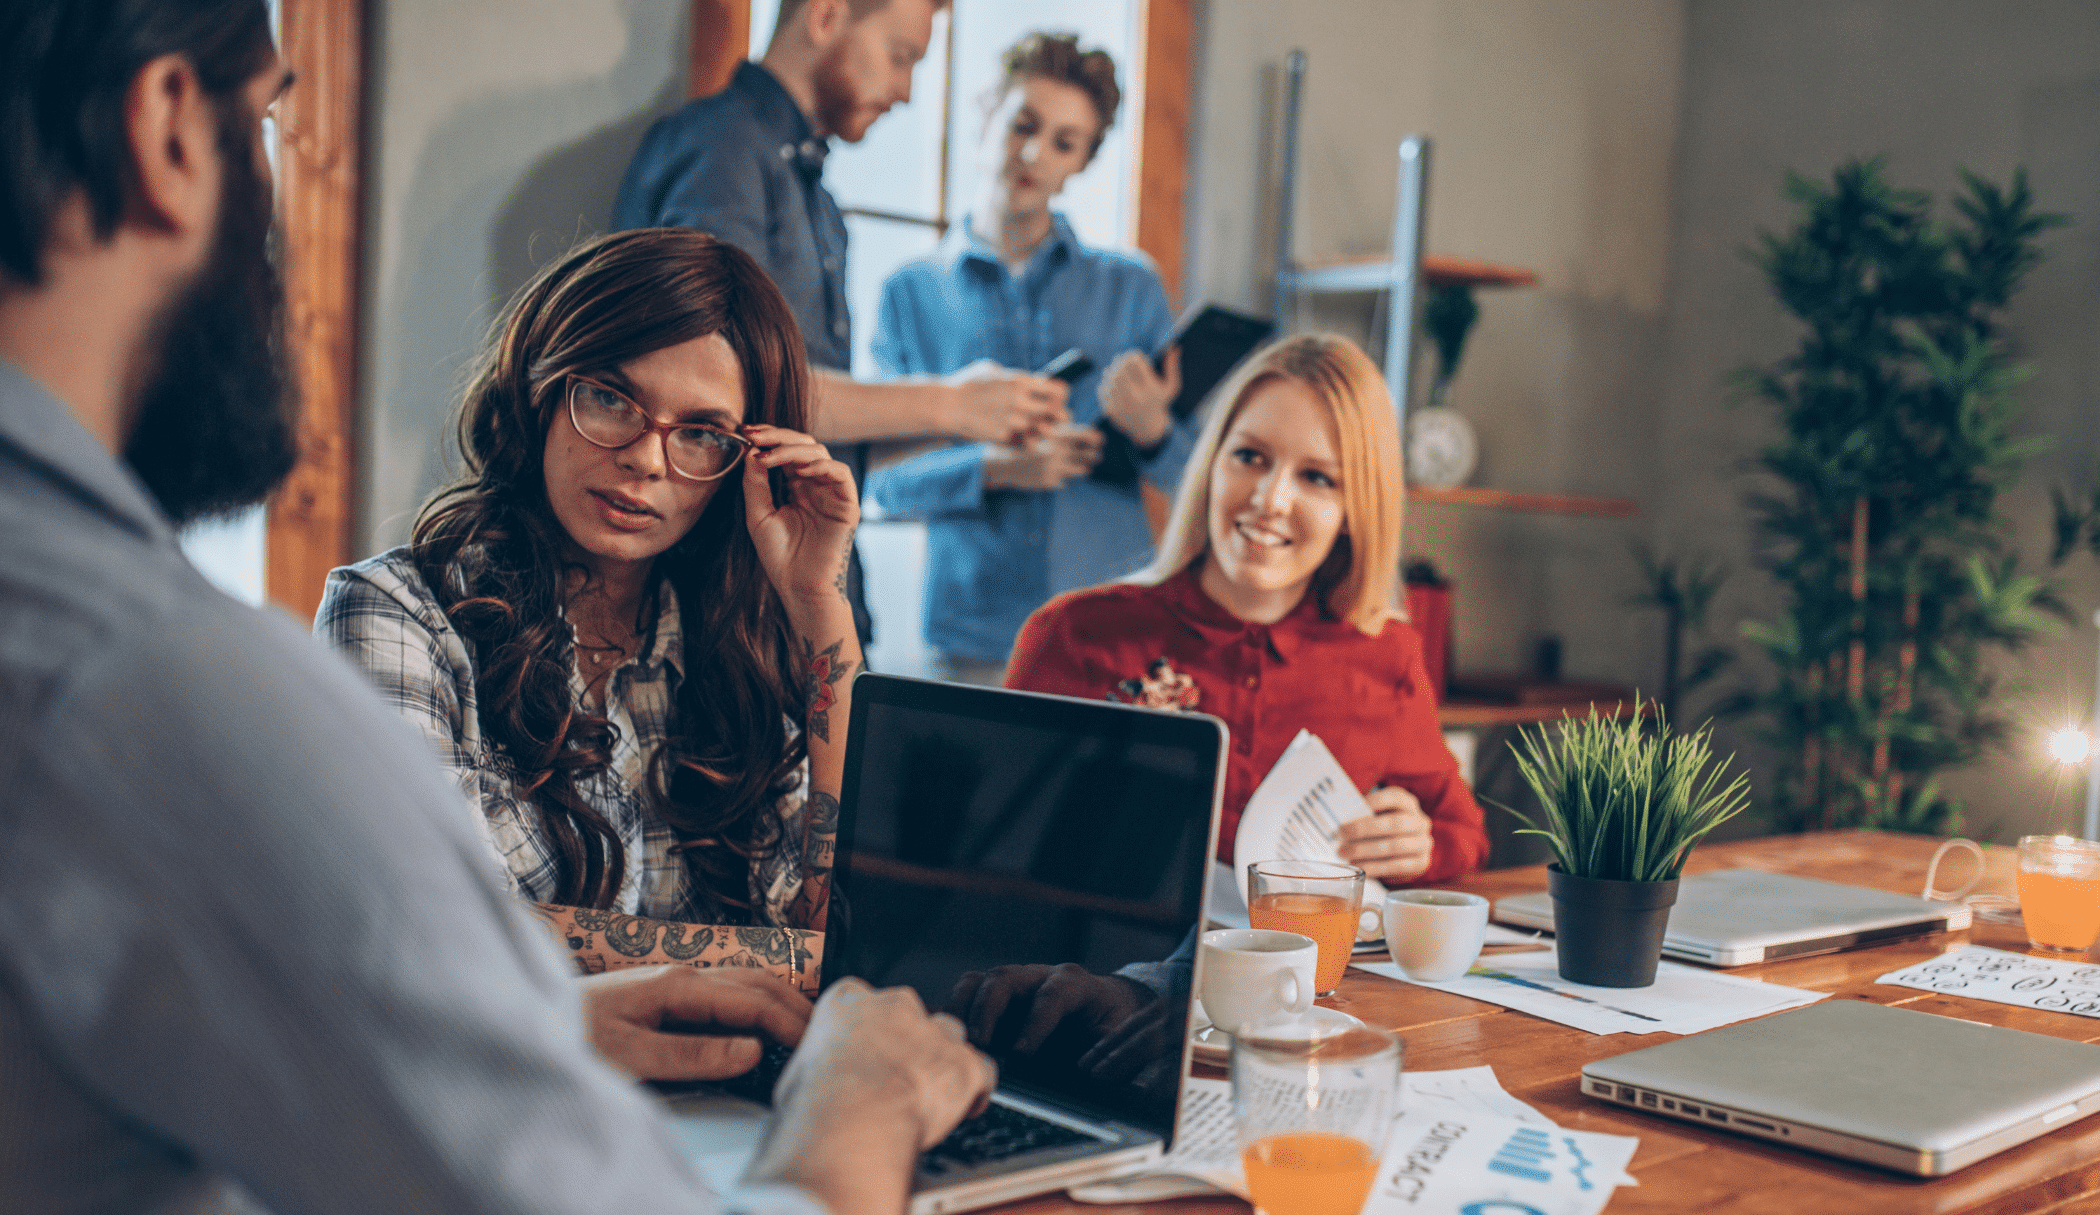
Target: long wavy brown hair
{"x":492,"y":551}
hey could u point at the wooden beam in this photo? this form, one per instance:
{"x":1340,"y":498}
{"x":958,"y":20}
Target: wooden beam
{"x":1169,"y":31}
{"x":721,"y":40}
{"x":1168,"y":28}
{"x":320,"y":170}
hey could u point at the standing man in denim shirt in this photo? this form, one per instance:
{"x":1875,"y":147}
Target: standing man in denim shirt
{"x":1010,"y":525}
{"x":747,"y":165}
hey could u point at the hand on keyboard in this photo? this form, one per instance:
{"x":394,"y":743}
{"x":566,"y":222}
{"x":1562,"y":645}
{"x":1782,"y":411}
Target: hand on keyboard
{"x":876,"y":1082}
{"x":678,"y":1023}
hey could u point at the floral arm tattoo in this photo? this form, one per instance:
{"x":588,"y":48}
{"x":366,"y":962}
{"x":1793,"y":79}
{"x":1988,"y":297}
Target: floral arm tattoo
{"x":825,"y":672}
{"x":820,"y":831}
{"x":608,"y":940}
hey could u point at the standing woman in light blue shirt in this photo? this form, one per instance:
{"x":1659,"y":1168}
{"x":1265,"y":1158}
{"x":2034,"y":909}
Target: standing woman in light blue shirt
{"x":1008,"y":527}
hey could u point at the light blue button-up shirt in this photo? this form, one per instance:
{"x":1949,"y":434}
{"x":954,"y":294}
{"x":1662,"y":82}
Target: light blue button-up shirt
{"x":992,"y":558}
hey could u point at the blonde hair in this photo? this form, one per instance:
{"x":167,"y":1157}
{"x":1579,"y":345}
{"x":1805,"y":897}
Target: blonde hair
{"x":1356,"y":581}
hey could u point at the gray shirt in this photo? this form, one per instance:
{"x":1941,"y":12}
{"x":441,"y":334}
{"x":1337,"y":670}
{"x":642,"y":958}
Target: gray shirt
{"x":246,"y":931}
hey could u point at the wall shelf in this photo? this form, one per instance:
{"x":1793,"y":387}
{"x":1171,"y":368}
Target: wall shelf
{"x":1557,"y":504}
{"x":1332,"y":275}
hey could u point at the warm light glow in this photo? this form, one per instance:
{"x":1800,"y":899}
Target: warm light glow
{"x":2070,"y":746}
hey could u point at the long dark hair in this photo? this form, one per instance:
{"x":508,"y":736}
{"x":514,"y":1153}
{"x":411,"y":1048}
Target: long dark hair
{"x":492,"y":551}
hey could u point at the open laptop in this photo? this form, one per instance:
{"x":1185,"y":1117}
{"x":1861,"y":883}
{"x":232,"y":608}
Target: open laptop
{"x":982,"y":828}
{"x":1905,"y":1090}
{"x":1733,"y":917}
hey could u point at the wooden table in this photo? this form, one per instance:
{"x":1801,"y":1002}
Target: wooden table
{"x":1684,"y":1168}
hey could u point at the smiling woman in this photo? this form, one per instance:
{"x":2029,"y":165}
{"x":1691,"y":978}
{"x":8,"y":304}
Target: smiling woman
{"x":1271,"y":605}
{"x":624,"y":628}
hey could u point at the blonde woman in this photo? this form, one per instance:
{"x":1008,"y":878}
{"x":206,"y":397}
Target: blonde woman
{"x":1271,"y":605}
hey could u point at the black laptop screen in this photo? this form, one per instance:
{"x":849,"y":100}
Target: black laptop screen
{"x":1036,"y":855}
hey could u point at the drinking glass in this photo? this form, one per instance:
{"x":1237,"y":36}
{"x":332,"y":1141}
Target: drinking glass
{"x":1320,"y":899}
{"x":1313,"y":1106}
{"x":2060,"y":893}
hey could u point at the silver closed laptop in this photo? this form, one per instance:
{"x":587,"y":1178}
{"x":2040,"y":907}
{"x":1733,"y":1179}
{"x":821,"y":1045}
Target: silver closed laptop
{"x":1734,"y":917}
{"x":1909,"y":1091}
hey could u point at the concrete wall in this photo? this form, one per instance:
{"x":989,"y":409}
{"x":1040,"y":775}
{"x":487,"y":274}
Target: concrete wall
{"x":1772,"y":85}
{"x":500,"y":129}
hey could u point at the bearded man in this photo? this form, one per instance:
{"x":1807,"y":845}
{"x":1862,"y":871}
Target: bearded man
{"x":747,"y":165}
{"x":246,"y":938}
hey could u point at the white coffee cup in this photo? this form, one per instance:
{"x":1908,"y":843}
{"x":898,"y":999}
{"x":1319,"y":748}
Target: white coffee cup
{"x":1434,"y":935}
{"x":1253,"y":974}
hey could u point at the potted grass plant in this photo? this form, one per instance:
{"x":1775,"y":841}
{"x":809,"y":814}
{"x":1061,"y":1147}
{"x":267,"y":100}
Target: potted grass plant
{"x":1621,"y":803}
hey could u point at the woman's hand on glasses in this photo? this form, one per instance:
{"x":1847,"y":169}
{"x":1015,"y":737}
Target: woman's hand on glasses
{"x":804,"y":543}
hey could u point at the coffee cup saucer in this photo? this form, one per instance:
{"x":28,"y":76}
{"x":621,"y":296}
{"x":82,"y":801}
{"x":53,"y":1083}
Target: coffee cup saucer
{"x":1212,"y":1045}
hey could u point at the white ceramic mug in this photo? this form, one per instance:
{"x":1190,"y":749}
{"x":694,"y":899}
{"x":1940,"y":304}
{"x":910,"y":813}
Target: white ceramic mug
{"x":1253,"y":974}
{"x":1435,"y":935}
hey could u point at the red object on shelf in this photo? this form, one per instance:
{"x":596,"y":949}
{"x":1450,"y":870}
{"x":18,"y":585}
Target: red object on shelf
{"x":1429,"y":610}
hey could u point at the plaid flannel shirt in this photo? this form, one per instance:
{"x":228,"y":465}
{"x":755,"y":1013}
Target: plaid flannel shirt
{"x":382,"y":616}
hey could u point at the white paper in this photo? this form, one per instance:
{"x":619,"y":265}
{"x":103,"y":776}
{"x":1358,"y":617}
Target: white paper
{"x":1455,"y":1164}
{"x":1683,"y":999}
{"x":1298,"y":811}
{"x":1228,"y":898}
{"x":2002,"y":977}
{"x":1206,"y":1144}
{"x":1465,"y":1092}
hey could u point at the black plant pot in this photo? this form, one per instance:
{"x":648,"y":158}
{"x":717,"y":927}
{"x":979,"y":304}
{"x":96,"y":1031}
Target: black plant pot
{"x":1609,"y":933}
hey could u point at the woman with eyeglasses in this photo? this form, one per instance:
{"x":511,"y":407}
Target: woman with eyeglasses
{"x":624,"y":627}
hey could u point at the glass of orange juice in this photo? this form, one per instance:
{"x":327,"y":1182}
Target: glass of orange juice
{"x":1320,"y":899}
{"x":1313,"y":1106}
{"x":2060,"y":893}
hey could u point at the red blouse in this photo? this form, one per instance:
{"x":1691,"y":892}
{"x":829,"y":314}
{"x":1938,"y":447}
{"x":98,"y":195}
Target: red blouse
{"x":1368,"y":698}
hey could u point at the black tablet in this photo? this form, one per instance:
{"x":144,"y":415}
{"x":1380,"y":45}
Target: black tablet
{"x":1213,"y":341}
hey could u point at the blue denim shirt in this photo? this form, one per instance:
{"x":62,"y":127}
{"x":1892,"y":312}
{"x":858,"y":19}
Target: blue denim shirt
{"x":993,"y":558}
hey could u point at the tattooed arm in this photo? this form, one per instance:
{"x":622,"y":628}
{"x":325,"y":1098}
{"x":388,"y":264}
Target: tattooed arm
{"x":608,"y":940}
{"x":805,"y":544}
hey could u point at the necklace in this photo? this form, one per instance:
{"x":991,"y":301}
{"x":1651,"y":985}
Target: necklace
{"x":597,"y":657}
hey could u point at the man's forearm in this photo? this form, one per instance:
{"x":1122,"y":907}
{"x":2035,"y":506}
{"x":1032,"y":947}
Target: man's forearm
{"x":848,"y":411}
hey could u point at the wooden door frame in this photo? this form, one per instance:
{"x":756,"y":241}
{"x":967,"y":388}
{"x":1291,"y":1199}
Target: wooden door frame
{"x":1168,"y":54}
{"x":320,"y":170}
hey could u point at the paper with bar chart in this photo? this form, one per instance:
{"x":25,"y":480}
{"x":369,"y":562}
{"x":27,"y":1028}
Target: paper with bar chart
{"x":1297,"y":812}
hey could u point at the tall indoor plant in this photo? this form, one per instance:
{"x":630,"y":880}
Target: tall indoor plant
{"x":1896,"y":434}
{"x":1621,"y":802}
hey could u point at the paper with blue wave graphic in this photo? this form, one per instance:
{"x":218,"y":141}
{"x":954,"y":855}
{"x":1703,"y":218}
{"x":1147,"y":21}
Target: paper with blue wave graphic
{"x":1442,"y":1161}
{"x":1206,"y":1149}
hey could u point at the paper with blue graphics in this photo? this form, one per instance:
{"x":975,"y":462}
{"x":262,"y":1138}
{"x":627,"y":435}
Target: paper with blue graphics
{"x":1206,"y":1147}
{"x":2003,"y":977}
{"x":1444,"y":1162}
{"x":1297,"y":812}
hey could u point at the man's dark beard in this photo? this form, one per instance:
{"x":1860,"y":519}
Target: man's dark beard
{"x":216,"y":427}
{"x":838,"y":108}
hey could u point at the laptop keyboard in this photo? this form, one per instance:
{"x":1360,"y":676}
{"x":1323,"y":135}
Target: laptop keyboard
{"x":998,"y":1133}
{"x":757,"y":1084}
